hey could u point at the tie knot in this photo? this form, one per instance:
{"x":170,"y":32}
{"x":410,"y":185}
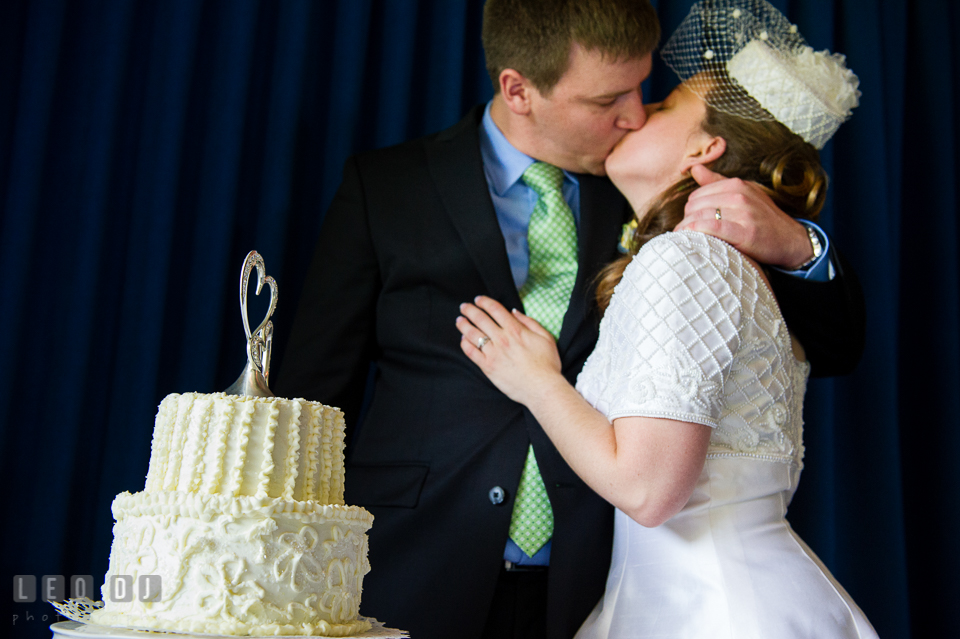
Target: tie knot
{"x":543,"y":177}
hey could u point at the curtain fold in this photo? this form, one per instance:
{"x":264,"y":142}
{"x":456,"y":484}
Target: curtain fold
{"x":146,"y":146}
{"x":927,"y":341}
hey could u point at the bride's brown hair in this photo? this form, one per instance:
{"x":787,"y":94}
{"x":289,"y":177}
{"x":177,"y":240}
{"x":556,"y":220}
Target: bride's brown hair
{"x":768,"y":153}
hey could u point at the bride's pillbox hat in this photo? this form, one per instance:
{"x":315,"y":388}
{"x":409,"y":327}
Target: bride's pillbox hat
{"x":729,"y":51}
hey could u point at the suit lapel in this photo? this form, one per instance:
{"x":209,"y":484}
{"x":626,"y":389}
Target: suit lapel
{"x":457,"y":169}
{"x":602,"y":214}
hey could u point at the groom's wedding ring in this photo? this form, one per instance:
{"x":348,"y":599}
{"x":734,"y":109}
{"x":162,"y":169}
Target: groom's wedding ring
{"x":718,"y":214}
{"x":483,"y":340}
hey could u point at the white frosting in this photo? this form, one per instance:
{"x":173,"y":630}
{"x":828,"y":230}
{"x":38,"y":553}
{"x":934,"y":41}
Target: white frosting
{"x":242,"y":518}
{"x":261,"y":572}
{"x":248,"y":446}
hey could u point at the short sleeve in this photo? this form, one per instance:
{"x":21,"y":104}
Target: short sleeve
{"x":671,"y":332}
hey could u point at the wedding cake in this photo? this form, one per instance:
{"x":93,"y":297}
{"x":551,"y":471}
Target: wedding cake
{"x":243,"y":521}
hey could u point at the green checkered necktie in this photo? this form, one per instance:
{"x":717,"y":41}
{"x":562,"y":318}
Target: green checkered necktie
{"x":552,"y":237}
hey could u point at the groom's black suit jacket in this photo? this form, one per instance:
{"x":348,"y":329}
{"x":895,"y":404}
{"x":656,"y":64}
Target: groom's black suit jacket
{"x":411,"y":234}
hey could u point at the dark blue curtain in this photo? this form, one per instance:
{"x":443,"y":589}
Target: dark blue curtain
{"x":146,"y":146}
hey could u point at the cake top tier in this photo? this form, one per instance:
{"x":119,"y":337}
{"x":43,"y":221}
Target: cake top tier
{"x":234,"y":445}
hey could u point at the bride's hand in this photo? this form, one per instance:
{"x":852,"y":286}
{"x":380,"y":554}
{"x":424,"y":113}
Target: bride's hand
{"x":519,"y":356}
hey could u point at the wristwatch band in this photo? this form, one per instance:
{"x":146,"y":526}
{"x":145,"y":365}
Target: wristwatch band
{"x":815,"y":243}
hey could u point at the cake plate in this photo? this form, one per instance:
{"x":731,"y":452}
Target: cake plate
{"x":78,"y":630}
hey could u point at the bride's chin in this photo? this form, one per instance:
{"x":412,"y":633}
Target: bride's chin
{"x":611,"y":175}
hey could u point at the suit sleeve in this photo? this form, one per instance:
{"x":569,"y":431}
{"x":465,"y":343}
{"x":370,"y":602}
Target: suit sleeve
{"x":333,"y":338}
{"x":828,"y":318}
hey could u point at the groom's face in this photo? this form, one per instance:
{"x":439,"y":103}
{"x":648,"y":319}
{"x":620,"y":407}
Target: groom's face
{"x":594,"y":104}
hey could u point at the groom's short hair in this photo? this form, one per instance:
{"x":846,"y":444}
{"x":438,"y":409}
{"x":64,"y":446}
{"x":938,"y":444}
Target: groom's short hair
{"x":534,"y":37}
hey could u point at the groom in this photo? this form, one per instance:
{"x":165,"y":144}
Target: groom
{"x":419,"y":228}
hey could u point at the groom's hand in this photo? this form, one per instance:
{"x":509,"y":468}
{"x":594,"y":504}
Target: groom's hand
{"x":749,"y":220}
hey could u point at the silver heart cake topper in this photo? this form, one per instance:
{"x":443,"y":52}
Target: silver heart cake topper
{"x":256,"y":374}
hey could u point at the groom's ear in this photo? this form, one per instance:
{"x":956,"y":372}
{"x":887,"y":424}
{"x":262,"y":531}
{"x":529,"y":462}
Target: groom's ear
{"x":705,"y":150}
{"x":516,"y":91}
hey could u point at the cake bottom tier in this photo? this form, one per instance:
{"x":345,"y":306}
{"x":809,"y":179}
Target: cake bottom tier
{"x":235,"y":566}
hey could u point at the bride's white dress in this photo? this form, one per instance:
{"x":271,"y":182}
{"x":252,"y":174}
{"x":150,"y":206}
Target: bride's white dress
{"x":694,"y":334}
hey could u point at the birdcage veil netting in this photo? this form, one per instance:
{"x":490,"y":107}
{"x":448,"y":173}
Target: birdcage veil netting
{"x":743,"y":57}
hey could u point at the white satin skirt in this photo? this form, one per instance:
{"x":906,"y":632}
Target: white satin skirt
{"x":728,"y":566}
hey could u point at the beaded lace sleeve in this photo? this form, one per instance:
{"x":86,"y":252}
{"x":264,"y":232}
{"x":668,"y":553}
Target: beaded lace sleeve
{"x":671,"y":332}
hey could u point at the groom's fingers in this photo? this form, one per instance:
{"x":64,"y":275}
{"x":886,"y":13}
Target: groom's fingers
{"x":729,"y":232}
{"x":703,"y":175}
{"x":727,"y":208}
{"x":702,"y":214}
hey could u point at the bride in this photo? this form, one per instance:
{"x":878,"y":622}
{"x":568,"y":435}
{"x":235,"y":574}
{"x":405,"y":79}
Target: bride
{"x":687,"y":416}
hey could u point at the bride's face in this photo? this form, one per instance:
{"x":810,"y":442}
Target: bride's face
{"x":654,"y":157}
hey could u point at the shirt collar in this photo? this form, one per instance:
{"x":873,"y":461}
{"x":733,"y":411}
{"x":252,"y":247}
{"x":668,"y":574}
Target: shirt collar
{"x":503,"y":163}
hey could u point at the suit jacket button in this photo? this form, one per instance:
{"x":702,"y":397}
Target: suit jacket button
{"x":497,"y":495}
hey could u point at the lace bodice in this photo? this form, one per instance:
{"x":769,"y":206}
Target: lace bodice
{"x":694,"y":334}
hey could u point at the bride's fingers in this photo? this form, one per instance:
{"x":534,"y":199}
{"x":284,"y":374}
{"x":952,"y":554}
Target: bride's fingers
{"x":532,"y":324}
{"x":465,"y":327}
{"x":471,"y":336}
{"x":497,"y":311}
{"x":470,"y":349}
{"x":479,"y":318}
